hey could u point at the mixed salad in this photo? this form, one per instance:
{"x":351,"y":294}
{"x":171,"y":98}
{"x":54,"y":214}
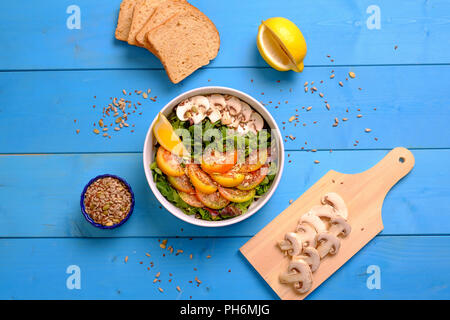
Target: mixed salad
{"x":231,"y":158}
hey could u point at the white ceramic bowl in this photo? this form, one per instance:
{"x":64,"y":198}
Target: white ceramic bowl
{"x":149,"y":156}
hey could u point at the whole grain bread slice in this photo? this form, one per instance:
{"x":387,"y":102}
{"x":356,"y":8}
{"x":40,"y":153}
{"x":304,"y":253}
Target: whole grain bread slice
{"x":141,"y":13}
{"x":161,"y":15}
{"x":184,"y":43}
{"x":124,"y":20}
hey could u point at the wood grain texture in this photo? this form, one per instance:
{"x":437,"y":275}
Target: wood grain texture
{"x":52,"y":185}
{"x":409,"y":112}
{"x":36,"y":268}
{"x":363,"y":194}
{"x":338,"y":28}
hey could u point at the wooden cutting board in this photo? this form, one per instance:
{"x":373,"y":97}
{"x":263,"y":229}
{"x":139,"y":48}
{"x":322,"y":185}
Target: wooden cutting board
{"x":363,"y":193}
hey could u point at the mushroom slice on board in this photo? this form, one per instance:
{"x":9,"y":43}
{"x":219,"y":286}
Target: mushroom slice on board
{"x":339,"y":226}
{"x":323,"y":211}
{"x":328,"y":244}
{"x":308,"y":234}
{"x":292,"y":244}
{"x":299,"y":274}
{"x":311,"y":256}
{"x":335,"y":200}
{"x":315,"y":221}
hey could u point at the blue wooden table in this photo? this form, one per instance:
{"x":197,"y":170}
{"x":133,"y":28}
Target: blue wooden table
{"x":59,"y":59}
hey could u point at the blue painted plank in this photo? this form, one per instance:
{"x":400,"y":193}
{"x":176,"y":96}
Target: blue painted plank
{"x":339,"y":28}
{"x":39,"y":194}
{"x":36,"y":269}
{"x":42,"y":106}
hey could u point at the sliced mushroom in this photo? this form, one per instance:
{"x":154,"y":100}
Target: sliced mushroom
{"x":315,"y":221}
{"x":218,"y":101}
{"x":292,"y":244}
{"x":256,"y":122}
{"x":324,"y":211}
{"x":328,"y":244}
{"x":194,"y":108}
{"x":299,"y":274}
{"x":217,"y":104}
{"x":339,"y":226}
{"x":308,"y":234}
{"x":246,"y":112}
{"x":233,"y":105}
{"x":311,"y":256}
{"x":335,"y":200}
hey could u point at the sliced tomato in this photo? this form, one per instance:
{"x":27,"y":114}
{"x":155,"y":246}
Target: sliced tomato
{"x":200,"y":179}
{"x":254,"y":161}
{"x":212,"y":200}
{"x":169,"y":163}
{"x":228,"y":179}
{"x":253,"y":179}
{"x":214,"y":161}
{"x":190,"y":199}
{"x":236,"y":195}
{"x":181,"y":183}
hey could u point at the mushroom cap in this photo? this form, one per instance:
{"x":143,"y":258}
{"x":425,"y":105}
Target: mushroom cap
{"x":336,"y":201}
{"x":315,"y":221}
{"x":194,"y":108}
{"x":339,"y":226}
{"x":296,"y":243}
{"x":328,"y":244}
{"x":299,"y":273}
{"x":308,"y":234}
{"x":311,"y":257}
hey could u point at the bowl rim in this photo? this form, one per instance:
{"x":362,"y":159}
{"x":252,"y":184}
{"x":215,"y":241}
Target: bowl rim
{"x":88,"y":217}
{"x":209,"y":90}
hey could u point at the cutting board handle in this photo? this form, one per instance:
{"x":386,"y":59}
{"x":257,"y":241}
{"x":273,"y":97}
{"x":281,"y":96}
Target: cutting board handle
{"x":393,"y":167}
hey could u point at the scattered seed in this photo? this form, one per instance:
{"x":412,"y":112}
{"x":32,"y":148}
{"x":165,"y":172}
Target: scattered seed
{"x":126,"y":259}
{"x":145,"y":95}
{"x":316,"y":161}
{"x":124,"y":92}
{"x":96,"y":131}
{"x":161,"y":290}
{"x":341,"y":84}
{"x":367,"y":130}
{"x":332,"y":76}
{"x":352,"y":74}
{"x":309,"y":108}
{"x":178,"y":289}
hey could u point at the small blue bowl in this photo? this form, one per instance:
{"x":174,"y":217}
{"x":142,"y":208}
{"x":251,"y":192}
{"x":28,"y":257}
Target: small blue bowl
{"x":86,"y":215}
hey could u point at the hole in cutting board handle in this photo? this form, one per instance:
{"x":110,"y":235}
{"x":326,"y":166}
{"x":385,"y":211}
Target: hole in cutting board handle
{"x":401,"y":160}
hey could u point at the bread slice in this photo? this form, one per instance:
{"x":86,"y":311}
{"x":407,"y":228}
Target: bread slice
{"x":124,"y":20}
{"x":184,"y":43}
{"x":142,"y":12}
{"x":166,"y":10}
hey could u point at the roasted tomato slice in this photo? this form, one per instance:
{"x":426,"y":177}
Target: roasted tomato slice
{"x":228,"y":179}
{"x":254,"y":161}
{"x":212,"y":200}
{"x":181,"y":183}
{"x":253,"y":179}
{"x":190,"y":199}
{"x":169,"y":163}
{"x":214,"y":161}
{"x":200,"y":179}
{"x":236,"y":195}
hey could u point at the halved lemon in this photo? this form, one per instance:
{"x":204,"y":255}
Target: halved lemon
{"x":281,"y":44}
{"x":167,"y":138}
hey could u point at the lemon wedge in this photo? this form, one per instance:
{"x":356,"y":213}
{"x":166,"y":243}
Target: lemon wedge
{"x":167,"y":138}
{"x":281,"y":44}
